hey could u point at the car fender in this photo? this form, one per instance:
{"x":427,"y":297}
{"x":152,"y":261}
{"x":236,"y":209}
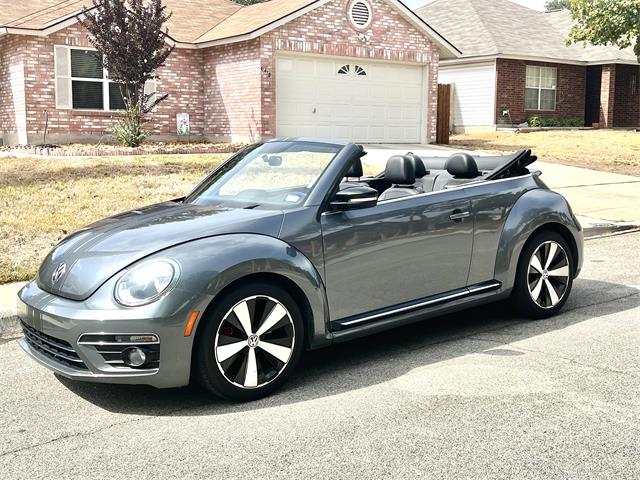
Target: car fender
{"x":531,"y":211}
{"x":209,"y":265}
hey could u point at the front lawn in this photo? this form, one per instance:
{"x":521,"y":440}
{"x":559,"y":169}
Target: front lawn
{"x":609,"y":150}
{"x":42,"y":200}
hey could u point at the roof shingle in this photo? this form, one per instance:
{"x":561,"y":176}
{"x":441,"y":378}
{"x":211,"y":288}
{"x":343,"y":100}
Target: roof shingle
{"x":501,"y":27}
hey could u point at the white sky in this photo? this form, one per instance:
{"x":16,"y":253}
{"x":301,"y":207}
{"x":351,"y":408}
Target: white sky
{"x":536,"y":4}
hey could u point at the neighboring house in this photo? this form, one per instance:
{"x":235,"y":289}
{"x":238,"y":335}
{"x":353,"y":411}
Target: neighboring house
{"x":360,"y":69}
{"x":516,"y":64}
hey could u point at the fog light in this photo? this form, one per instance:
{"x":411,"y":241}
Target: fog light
{"x":134,"y":357}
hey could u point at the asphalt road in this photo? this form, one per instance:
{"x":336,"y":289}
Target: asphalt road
{"x":474,"y":395}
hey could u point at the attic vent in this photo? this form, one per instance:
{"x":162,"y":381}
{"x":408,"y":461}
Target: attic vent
{"x":360,"y":14}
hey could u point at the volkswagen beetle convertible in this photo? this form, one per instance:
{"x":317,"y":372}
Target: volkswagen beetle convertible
{"x":288,"y":246}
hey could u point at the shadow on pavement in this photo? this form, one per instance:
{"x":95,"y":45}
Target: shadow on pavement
{"x":375,"y":359}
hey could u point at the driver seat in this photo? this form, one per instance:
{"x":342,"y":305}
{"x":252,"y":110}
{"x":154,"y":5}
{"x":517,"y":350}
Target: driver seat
{"x":400,"y":171}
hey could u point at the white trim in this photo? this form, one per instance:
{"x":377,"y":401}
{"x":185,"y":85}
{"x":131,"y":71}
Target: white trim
{"x":531,"y":58}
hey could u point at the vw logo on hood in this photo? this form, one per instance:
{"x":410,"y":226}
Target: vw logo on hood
{"x":58,"y":272}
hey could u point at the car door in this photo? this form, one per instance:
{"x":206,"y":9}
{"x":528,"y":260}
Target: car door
{"x":399,"y":251}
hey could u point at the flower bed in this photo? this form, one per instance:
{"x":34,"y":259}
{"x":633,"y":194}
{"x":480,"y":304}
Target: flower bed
{"x":98,"y":150}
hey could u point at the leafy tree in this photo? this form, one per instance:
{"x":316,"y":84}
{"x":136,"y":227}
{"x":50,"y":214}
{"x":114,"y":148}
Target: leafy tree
{"x":558,"y":5}
{"x":130,"y":36}
{"x":606,"y":22}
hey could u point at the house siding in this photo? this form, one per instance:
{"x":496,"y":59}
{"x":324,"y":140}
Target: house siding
{"x":510,"y":91}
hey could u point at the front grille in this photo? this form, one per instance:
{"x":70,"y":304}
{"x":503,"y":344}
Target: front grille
{"x":54,"y":348}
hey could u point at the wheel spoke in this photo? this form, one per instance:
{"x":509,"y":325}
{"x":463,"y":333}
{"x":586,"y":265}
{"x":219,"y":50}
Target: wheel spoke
{"x":535,"y":263}
{"x":251,"y":376}
{"x":535,"y":293}
{"x":242,"y":312}
{"x":225,"y":352}
{"x":560,"y":272}
{"x":278,"y":351}
{"x":552,"y":292}
{"x":553,"y":248}
{"x":277,"y":313}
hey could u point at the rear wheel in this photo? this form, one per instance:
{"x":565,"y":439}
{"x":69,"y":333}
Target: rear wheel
{"x":544,"y":277}
{"x":251,"y":341}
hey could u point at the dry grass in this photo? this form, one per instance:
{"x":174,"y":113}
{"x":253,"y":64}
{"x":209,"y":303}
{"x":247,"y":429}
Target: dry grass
{"x":41,"y":201}
{"x":608,"y":150}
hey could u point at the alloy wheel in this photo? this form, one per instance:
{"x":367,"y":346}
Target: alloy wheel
{"x":254,"y":341}
{"x":548,"y":274}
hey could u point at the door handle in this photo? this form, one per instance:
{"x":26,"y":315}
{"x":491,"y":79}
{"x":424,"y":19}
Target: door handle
{"x":458,"y":215}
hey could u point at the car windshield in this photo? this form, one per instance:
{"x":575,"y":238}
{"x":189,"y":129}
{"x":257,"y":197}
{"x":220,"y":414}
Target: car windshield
{"x":268,"y":175}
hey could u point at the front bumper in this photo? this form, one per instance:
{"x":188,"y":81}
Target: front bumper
{"x":53,"y":325}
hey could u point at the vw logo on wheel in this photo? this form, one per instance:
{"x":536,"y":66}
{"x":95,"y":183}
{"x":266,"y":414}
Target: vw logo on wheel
{"x":253,"y":341}
{"x":59,"y":272}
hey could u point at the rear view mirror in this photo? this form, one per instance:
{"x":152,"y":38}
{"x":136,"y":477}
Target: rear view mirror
{"x":272,"y":160}
{"x":353,"y":198}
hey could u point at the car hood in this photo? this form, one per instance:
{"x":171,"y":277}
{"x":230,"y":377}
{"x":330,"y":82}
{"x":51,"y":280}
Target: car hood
{"x":94,"y":254}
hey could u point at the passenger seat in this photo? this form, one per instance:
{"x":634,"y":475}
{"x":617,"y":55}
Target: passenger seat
{"x":461,"y":168}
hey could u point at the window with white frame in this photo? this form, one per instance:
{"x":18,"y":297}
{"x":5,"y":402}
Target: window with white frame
{"x":540,"y":88}
{"x":82,"y":83}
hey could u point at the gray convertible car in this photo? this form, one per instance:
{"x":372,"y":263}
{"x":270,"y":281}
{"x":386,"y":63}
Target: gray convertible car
{"x":289,"y":246}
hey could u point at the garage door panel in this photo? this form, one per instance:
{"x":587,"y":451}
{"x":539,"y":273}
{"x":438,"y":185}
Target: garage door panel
{"x":385,"y":105}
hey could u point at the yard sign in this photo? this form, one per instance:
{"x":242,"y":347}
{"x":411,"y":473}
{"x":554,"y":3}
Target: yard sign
{"x":182,"y":124}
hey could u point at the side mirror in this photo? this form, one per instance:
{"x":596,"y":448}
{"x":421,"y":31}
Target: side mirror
{"x":353,"y":198}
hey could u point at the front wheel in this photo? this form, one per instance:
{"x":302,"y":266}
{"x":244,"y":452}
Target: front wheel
{"x":544,"y":277}
{"x":251,"y":341}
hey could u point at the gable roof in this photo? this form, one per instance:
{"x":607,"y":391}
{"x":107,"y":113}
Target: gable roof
{"x":488,"y":28}
{"x":194,"y":23}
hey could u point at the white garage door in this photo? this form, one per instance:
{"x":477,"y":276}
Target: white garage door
{"x":473,"y":93}
{"x":347,"y":98}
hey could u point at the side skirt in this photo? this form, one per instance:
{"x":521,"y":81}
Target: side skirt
{"x":383,"y":315}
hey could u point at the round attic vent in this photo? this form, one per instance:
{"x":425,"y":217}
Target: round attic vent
{"x":360,"y":13}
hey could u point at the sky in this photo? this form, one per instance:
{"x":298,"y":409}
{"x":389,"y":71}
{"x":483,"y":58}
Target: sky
{"x":536,"y":4}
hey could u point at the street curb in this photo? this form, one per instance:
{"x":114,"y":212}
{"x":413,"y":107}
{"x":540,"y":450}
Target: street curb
{"x":10,"y":323}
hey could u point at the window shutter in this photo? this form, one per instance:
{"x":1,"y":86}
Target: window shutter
{"x":62,"y":77}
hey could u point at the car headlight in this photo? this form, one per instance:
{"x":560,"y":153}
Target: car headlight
{"x":145,"y":283}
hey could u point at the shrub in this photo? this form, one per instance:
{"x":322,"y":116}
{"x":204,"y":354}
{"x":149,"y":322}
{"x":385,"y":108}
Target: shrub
{"x":129,"y":130}
{"x":536,"y":121}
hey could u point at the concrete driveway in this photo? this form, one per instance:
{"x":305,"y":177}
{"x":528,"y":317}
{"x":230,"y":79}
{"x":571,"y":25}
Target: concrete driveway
{"x":480,"y":394}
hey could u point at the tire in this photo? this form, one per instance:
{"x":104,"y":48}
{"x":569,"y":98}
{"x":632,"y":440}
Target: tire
{"x":241,"y":366}
{"x":543,"y":285}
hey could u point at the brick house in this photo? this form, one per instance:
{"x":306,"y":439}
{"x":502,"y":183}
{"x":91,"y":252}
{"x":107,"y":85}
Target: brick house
{"x":360,"y":69}
{"x":516,"y":64}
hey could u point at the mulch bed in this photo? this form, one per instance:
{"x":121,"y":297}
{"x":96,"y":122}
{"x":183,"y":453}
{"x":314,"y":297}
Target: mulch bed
{"x":98,"y":150}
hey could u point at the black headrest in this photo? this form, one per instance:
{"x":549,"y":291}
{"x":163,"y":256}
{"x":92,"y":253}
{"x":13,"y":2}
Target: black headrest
{"x":355,"y":170}
{"x":462,"y":165}
{"x":418,"y":164}
{"x":400,"y":170}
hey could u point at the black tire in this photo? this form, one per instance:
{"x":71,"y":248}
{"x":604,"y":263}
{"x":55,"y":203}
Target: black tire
{"x":222,"y":329}
{"x":542,"y":294}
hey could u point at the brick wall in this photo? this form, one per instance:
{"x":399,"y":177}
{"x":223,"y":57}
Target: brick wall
{"x":232,"y":95}
{"x":510,"y":88}
{"x":181,"y":78}
{"x":12,"y":97}
{"x":327,"y":31}
{"x":627,"y":96}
